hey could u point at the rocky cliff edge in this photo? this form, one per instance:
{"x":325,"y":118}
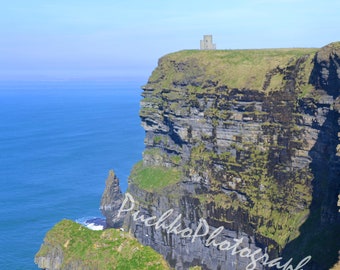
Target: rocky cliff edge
{"x":242,"y":148}
{"x":250,"y":139}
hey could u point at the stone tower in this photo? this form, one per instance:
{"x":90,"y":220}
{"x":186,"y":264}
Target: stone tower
{"x":206,"y":43}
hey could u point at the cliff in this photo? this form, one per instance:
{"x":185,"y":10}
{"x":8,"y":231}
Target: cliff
{"x":248,"y":140}
{"x":242,"y":161}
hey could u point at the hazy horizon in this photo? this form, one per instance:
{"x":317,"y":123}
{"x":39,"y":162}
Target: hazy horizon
{"x":63,"y":40}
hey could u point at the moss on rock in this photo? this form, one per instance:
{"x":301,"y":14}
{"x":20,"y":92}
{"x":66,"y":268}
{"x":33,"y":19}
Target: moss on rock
{"x":81,"y":248}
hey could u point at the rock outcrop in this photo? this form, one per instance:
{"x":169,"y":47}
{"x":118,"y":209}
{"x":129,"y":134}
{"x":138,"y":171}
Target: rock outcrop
{"x":111,"y":201}
{"x":254,"y":138}
{"x":71,"y":246}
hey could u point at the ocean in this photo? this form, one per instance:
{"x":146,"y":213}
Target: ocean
{"x":58,"y":141}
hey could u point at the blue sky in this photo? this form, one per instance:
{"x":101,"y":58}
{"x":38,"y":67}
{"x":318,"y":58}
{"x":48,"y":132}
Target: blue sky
{"x":109,"y":39}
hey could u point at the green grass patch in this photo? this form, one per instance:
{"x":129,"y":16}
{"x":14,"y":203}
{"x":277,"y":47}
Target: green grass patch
{"x":147,"y":112}
{"x":154,"y":178}
{"x":108,"y":249}
{"x":157,"y":139}
{"x":176,"y":159}
{"x":233,"y":68}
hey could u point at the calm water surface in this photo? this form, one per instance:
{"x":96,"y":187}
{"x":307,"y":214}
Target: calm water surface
{"x":58,"y":140}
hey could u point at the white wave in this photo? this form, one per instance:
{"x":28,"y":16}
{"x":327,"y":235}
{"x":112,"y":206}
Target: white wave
{"x":92,"y":223}
{"x":95,"y":227}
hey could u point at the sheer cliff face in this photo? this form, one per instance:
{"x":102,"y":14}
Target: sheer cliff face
{"x":254,"y":135}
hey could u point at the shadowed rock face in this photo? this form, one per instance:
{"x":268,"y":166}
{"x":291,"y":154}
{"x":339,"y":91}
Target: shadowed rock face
{"x":326,"y":72}
{"x":256,"y":136}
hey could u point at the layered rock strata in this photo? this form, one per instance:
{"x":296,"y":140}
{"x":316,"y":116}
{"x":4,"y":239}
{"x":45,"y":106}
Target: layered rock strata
{"x":251,"y":138}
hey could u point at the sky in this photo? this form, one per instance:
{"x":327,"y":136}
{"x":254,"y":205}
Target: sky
{"x":111,"y":39}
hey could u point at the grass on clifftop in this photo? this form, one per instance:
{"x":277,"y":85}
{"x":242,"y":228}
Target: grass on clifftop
{"x":233,"y":68}
{"x":108,"y":249}
{"x":154,"y":178}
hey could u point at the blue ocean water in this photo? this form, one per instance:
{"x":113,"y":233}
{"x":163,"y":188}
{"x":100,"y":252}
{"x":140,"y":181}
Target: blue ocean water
{"x":58,"y":140}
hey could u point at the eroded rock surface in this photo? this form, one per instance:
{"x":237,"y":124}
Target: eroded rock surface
{"x":256,"y":137}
